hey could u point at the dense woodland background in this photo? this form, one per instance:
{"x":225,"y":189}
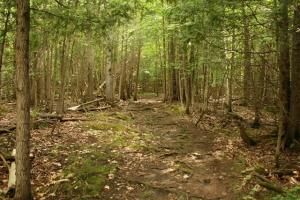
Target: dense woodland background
{"x":206,"y":55}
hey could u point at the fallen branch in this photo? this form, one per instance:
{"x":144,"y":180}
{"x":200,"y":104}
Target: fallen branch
{"x":9,"y":129}
{"x":73,"y":119}
{"x":7,"y":157}
{"x":81,"y":106}
{"x":46,"y":120}
{"x":98,"y":109}
{"x":50,"y":116}
{"x":266,"y":183}
{"x":284,"y":172}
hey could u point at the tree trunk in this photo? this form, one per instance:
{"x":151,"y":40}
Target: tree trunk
{"x":23,"y":165}
{"x":247,"y":57}
{"x":109,"y":90}
{"x":284,"y":76}
{"x":164,"y":59}
{"x":258,"y":92}
{"x":60,"y":106}
{"x":122,"y":83}
{"x":2,"y":46}
{"x":90,"y":77}
{"x":47,"y":75}
{"x":34,"y":86}
{"x":172,"y":71}
{"x":188,"y":61}
{"x":230,"y":76}
{"x":295,"y":84}
{"x":137,"y":72}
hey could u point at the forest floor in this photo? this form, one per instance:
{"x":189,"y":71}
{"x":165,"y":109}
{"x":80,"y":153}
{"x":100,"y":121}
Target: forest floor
{"x":146,"y":150}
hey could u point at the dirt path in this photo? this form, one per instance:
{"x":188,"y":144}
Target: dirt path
{"x":146,"y":150}
{"x":180,"y":161}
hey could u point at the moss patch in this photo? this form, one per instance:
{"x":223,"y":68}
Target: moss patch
{"x":105,"y":126}
{"x":176,"y":109}
{"x":291,"y":194}
{"x":116,"y":131}
{"x":87,"y":173}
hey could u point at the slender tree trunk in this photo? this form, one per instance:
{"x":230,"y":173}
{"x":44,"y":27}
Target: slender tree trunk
{"x":47,"y":74}
{"x":205,"y":85}
{"x":259,"y":93}
{"x":187,"y":82}
{"x":295,"y":84}
{"x":34,"y":97}
{"x":2,"y":46}
{"x":54,"y":74}
{"x":122,"y":83}
{"x":230,"y":76}
{"x":137,"y":72}
{"x":109,"y":90}
{"x":164,"y":59}
{"x":173,"y":96}
{"x":90,"y":77}
{"x":189,"y":89}
{"x":23,"y":165}
{"x":247,"y":57}
{"x":61,"y":101}
{"x":284,"y":76}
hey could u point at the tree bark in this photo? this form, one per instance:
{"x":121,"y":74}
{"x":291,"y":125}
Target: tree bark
{"x":164,"y":54}
{"x":109,"y":90}
{"x":247,"y":57}
{"x":295,"y":83}
{"x":230,"y":75}
{"x":60,"y":106}
{"x":173,"y":96}
{"x":23,"y":165}
{"x":137,"y":72}
{"x":2,"y":46}
{"x":122,"y":83}
{"x":284,"y":77}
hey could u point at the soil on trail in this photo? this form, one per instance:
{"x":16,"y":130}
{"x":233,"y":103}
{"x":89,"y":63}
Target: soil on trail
{"x":145,"y":150}
{"x":181,"y":161}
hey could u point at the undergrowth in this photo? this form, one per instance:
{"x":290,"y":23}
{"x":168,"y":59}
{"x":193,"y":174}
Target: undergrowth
{"x":291,"y":194}
{"x":87,"y":175}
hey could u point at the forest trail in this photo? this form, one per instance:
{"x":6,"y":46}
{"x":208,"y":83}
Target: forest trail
{"x":181,"y":161}
{"x":145,"y":150}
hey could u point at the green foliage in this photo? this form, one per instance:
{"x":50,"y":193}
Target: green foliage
{"x":87,"y":175}
{"x":177,"y":109}
{"x":105,"y":126}
{"x":116,"y":131}
{"x":292,"y":194}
